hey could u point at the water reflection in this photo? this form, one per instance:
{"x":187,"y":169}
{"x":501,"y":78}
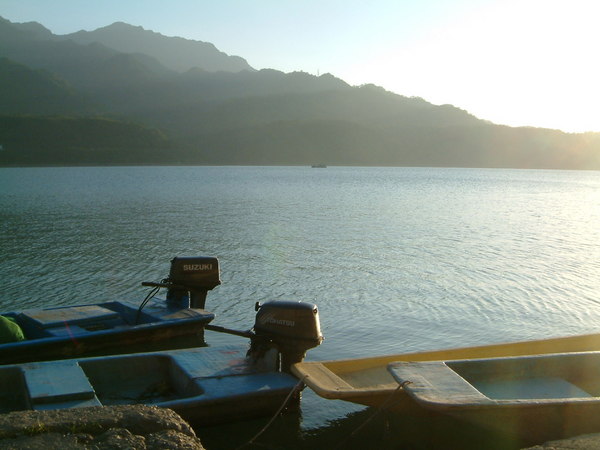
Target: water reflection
{"x":366,"y":429}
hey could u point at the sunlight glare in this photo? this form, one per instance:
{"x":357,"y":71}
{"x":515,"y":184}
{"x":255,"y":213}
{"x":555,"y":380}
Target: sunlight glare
{"x":513,"y":62}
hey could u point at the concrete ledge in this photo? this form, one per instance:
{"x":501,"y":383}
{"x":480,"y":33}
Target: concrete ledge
{"x":103,"y":427}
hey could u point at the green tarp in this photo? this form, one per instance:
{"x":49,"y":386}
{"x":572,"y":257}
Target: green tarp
{"x":10,"y":331}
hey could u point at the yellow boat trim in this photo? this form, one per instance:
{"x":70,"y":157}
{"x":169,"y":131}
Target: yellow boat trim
{"x":366,"y":380}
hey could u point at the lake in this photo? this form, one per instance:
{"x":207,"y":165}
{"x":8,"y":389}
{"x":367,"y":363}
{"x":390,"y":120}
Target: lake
{"x":397,"y":259}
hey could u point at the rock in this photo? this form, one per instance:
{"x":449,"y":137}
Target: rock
{"x":169,"y":439}
{"x":43,"y":441}
{"x":102,"y":428}
{"x":119,"y":438}
{"x":583,"y":442}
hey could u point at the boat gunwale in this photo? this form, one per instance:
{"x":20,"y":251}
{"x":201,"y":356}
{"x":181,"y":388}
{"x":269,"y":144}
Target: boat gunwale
{"x":312,"y":371}
{"x":440,"y":400}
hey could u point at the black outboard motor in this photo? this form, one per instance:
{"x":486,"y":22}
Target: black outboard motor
{"x":291,"y":327}
{"x":190,"y":279}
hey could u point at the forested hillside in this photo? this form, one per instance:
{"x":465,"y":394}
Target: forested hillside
{"x":125,"y":95}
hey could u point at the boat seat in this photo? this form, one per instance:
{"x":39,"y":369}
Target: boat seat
{"x":207,"y":362}
{"x":77,"y":315}
{"x":433,"y":382}
{"x":67,"y":331}
{"x":58,"y":384}
{"x":66,"y":321}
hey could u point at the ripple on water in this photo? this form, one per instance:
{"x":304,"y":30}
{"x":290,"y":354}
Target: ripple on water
{"x":396,"y":259}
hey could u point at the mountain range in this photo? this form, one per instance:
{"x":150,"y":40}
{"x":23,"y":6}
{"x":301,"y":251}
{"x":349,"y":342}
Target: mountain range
{"x":125,"y":95}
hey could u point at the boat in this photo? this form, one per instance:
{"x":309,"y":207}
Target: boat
{"x":205,"y":385}
{"x":119,"y":326}
{"x":535,"y":398}
{"x":366,"y":381}
{"x":292,"y":327}
{"x":319,"y":166}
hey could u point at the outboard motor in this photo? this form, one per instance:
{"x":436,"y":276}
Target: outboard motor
{"x":291,"y":327}
{"x":190,"y":279}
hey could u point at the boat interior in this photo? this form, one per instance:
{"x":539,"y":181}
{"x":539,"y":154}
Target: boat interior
{"x":537,"y":379}
{"x":151,"y":378}
{"x":80,"y":320}
{"x":367,"y":380}
{"x":566,"y":375}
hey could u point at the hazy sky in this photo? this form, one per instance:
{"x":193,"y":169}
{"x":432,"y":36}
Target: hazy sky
{"x":515,"y":62}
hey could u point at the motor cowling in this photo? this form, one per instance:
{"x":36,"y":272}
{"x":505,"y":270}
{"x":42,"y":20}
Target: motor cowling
{"x":293,"y":327}
{"x":193,"y":275}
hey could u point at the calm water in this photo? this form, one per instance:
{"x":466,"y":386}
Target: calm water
{"x":397,"y":259}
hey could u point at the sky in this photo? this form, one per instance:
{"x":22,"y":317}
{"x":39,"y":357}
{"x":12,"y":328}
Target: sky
{"x":512,"y":62}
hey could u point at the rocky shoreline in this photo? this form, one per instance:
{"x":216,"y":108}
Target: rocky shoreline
{"x":98,"y":428}
{"x":583,"y":442}
{"x":139,"y":427}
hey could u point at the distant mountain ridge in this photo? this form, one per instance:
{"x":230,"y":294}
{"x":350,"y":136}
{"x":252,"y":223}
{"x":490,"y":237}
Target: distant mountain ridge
{"x":175,"y":53}
{"x":34,"y":30}
{"x":70,"y":90}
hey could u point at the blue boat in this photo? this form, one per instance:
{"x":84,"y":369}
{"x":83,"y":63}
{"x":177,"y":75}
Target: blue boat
{"x":204,"y":385}
{"x":119,"y":326}
{"x":53,"y":369}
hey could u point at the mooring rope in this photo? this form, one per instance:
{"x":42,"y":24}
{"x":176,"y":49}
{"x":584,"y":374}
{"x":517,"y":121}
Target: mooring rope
{"x":372,"y":416}
{"x":296,"y":388}
{"x":150,"y":295}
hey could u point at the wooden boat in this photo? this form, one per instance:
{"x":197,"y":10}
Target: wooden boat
{"x":367,"y":381}
{"x":104,"y":328}
{"x":119,"y":326}
{"x":537,"y":398}
{"x":204,"y":385}
{"x":291,"y":327}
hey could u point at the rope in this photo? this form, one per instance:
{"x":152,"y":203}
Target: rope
{"x":150,"y":295}
{"x":270,"y":422}
{"x":372,"y":416}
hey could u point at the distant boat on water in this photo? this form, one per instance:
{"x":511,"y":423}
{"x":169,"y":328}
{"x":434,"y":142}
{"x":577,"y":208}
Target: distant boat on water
{"x":318,"y":166}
